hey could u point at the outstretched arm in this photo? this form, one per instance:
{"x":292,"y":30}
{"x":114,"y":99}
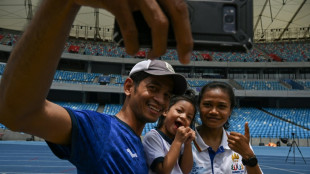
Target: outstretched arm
{"x":30,"y":71}
{"x":32,"y":64}
{"x":241,"y":144}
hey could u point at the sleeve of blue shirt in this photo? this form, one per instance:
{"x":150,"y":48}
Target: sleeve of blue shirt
{"x":85,"y":128}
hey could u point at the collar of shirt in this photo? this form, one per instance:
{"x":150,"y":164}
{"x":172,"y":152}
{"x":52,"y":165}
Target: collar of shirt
{"x":165,"y":137}
{"x":201,"y":146}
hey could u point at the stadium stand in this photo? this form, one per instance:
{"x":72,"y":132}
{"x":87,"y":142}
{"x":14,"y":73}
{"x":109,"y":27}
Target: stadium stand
{"x":262,"y":52}
{"x":262,"y":85}
{"x":262,"y":124}
{"x":287,"y":51}
{"x":298,"y":116}
{"x":2,"y":66}
{"x":2,"y":126}
{"x":305,"y":83}
{"x":76,"y":77}
{"x":95,"y":71}
{"x":112,"y":109}
{"x":79,"y":106}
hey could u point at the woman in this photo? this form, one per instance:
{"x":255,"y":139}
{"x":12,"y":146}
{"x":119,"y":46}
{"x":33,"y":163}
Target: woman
{"x":215,"y":150}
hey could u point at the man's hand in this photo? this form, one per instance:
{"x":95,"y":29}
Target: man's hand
{"x":157,"y":21}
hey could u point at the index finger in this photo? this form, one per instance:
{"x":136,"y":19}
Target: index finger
{"x":178,"y":13}
{"x":246,"y":130}
{"x":128,"y":28}
{"x":158,"y":22}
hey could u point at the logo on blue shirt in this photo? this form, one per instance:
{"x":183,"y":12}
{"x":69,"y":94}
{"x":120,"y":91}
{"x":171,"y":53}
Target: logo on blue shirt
{"x":133,"y":155}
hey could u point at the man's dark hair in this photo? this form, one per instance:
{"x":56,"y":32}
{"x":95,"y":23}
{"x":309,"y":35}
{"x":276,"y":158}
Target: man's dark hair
{"x":138,"y":77}
{"x":224,"y":87}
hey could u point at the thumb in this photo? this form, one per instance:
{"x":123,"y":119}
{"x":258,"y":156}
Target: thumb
{"x":246,"y":130}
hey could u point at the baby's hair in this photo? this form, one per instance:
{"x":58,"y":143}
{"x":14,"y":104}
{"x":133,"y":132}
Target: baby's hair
{"x":188,"y":96}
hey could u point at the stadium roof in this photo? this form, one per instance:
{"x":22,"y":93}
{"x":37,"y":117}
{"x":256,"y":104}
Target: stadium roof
{"x":269,"y":15}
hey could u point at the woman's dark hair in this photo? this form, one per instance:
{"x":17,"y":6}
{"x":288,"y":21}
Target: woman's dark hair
{"x":225,"y":88}
{"x":188,"y":96}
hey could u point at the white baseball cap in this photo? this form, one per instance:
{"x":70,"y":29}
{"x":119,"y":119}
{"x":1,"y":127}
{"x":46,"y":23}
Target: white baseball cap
{"x":160,"y":68}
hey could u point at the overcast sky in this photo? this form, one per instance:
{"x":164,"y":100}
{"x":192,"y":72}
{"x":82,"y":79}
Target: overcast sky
{"x":13,"y":15}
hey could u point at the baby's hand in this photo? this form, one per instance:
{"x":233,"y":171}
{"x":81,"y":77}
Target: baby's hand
{"x":184,"y":134}
{"x":191,"y":137}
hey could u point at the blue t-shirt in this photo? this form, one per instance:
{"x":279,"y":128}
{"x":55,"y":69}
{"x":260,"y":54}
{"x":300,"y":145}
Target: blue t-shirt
{"x":102,"y":144}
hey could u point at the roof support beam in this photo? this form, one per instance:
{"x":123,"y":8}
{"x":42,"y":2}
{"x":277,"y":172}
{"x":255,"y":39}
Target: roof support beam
{"x":97,"y":35}
{"x":260,"y":15}
{"x":270,"y":11}
{"x":28,"y":6}
{"x":292,"y":19}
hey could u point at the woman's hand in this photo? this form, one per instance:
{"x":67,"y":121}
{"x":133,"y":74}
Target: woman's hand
{"x":240,"y":143}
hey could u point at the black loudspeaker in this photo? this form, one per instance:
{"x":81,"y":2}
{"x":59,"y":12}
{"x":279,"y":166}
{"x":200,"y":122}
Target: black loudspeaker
{"x":284,"y":140}
{"x":278,"y":143}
